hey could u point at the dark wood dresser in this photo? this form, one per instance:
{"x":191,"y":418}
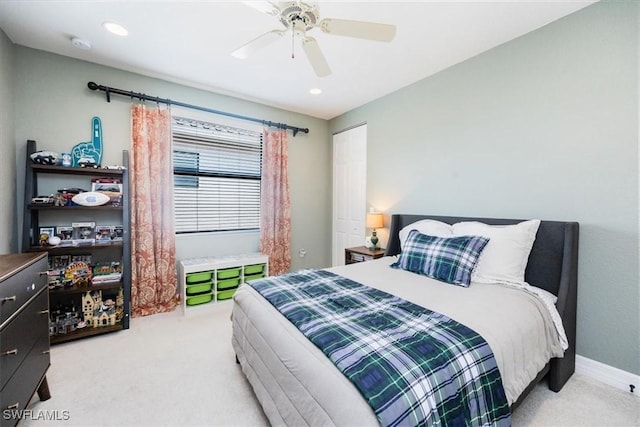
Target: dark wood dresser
{"x":24,"y":333}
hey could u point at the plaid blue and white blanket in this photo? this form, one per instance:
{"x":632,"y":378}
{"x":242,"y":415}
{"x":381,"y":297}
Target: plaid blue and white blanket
{"x":412,"y":365}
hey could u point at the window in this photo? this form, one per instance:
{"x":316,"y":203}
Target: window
{"x":217,"y":173}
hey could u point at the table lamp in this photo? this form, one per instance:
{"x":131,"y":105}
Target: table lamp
{"x":374,"y":220}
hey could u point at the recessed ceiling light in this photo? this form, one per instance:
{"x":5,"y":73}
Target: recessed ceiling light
{"x":315,"y":91}
{"x":114,"y":28}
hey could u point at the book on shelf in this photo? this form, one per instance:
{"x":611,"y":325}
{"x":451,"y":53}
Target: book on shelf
{"x":59,"y":262}
{"x":106,"y":278}
{"x":107,"y":267}
{"x":81,"y":258}
{"x":357,"y":257}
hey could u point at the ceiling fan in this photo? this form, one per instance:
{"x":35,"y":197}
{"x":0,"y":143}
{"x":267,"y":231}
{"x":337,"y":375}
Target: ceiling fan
{"x":299,"y":18}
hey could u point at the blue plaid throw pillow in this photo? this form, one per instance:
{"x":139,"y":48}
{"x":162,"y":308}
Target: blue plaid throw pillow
{"x":449,"y":259}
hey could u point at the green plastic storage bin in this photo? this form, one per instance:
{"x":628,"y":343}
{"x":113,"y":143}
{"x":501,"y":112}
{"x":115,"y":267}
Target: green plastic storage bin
{"x":199,"y":277}
{"x":228,"y":273}
{"x":222,"y":295}
{"x":253,"y":277}
{"x":228,"y":283}
{"x":199,"y":288}
{"x":253,"y":269}
{"x":200,"y":299}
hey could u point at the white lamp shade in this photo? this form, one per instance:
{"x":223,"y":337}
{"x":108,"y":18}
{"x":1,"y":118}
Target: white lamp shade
{"x":375,"y":220}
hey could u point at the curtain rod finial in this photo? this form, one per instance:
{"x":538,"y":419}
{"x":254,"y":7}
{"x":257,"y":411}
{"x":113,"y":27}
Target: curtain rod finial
{"x":92,"y":86}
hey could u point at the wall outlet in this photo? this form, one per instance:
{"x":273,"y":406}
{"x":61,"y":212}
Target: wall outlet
{"x":302,"y":253}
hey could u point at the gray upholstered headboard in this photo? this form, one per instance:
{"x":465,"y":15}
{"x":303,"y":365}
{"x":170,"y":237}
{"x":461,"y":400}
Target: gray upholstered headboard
{"x":553,"y":266}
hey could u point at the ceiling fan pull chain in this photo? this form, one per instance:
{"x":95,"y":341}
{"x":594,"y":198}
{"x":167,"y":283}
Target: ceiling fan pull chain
{"x":293,"y":45}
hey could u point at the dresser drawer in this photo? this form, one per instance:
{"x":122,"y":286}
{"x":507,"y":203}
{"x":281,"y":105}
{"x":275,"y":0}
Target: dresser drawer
{"x":17,"y":393}
{"x":18,"y":337}
{"x":18,"y":288}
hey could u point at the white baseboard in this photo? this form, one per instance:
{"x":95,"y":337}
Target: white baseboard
{"x":608,"y":374}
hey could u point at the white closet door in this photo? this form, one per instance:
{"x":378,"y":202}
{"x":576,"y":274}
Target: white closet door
{"x":349,"y":190}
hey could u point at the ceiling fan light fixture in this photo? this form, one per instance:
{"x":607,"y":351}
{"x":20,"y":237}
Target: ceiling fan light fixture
{"x":115,"y":28}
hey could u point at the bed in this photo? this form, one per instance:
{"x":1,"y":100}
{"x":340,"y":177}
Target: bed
{"x":296,"y":384}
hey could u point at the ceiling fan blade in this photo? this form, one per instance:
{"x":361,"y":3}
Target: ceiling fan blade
{"x":315,"y":56}
{"x":359,"y":29}
{"x":263,"y":6}
{"x":257,"y":44}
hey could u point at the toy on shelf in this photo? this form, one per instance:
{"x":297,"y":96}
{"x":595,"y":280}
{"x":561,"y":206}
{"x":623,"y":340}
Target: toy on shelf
{"x":65,"y":196}
{"x":84,"y":233}
{"x":90,"y":198}
{"x":43,"y":200}
{"x":43,"y":239}
{"x":97,"y":310}
{"x":87,"y":162}
{"x":111,"y":187}
{"x":99,"y":313}
{"x":54,"y":241}
{"x":59,"y":200}
{"x":79,"y":273}
{"x":89,"y":154}
{"x":46,"y":158}
{"x":106,"y":272}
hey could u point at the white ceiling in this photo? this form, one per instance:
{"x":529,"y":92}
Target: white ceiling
{"x":190,"y":42}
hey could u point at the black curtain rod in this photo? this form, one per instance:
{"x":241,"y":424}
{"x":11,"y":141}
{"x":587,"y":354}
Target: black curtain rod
{"x":109,"y":90}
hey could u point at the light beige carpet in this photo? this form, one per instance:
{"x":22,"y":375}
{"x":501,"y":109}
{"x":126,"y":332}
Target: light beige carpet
{"x":171,"y":370}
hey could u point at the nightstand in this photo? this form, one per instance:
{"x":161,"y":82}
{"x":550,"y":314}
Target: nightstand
{"x":361,"y":253}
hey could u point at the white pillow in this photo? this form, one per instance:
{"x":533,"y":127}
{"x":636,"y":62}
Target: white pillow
{"x":505,"y":257}
{"x":426,"y":226}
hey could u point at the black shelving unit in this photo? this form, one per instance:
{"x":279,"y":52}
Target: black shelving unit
{"x":34,"y":215}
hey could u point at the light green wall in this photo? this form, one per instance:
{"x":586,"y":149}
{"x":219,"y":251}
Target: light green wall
{"x":545,"y":126}
{"x":8,"y":241}
{"x":54,"y":106}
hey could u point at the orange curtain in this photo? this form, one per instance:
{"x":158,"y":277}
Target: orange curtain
{"x":153,"y":252}
{"x":275,"y":209}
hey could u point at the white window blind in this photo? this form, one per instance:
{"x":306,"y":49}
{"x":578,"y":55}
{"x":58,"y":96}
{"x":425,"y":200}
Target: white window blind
{"x":217,"y":172}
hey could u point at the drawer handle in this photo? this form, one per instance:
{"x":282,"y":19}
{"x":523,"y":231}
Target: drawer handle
{"x":14,"y":406}
{"x":43,"y":312}
{"x":10,"y":352}
{"x":7,"y":299}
